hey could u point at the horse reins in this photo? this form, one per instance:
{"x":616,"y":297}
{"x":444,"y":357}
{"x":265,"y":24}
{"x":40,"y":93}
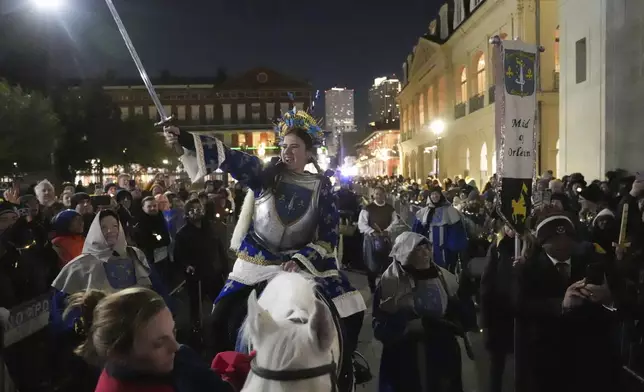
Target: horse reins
{"x":297,"y":375}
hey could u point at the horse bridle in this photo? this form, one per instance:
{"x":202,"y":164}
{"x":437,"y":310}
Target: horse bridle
{"x":304,"y":374}
{"x":297,"y":375}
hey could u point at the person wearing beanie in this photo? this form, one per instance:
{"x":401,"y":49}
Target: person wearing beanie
{"x":68,"y":238}
{"x":564,"y":334}
{"x":597,"y":221}
{"x":82,"y":203}
{"x":111,"y":189}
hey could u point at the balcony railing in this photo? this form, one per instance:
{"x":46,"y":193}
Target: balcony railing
{"x":477,"y":102}
{"x":490,"y":93}
{"x":460,"y":110}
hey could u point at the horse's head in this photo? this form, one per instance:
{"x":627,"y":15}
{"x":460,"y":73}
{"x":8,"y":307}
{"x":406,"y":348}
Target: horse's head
{"x":299,"y":335}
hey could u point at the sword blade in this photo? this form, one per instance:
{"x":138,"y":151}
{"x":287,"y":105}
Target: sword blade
{"x":137,"y":61}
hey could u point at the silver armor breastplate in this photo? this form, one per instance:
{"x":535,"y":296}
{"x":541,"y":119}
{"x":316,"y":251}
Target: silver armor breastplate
{"x":287,"y":219}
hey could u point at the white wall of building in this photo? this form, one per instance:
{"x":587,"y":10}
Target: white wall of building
{"x":582,"y":120}
{"x":601,"y":118}
{"x":624,"y":84}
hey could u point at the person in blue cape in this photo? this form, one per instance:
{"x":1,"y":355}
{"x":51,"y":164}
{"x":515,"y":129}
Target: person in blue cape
{"x":441,"y":223}
{"x":289,"y":221}
{"x":415,"y":316}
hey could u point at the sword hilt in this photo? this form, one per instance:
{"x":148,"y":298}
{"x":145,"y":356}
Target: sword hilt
{"x":170,"y":121}
{"x":167,"y":122}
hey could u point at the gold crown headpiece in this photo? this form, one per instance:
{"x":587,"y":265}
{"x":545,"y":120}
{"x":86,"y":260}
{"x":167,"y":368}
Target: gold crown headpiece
{"x":299,"y":119}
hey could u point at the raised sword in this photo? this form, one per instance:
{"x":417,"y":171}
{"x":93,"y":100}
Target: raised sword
{"x":139,"y":65}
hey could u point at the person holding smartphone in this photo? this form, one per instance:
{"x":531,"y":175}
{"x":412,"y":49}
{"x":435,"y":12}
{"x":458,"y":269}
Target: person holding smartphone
{"x":564,"y":317}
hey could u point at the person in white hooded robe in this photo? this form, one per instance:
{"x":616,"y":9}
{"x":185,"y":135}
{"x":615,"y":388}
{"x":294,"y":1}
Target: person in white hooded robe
{"x":106,"y":264}
{"x":416,"y":317}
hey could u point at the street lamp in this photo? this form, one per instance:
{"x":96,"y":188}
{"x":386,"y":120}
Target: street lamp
{"x":437,"y":127}
{"x":48,"y":5}
{"x":165,"y":162}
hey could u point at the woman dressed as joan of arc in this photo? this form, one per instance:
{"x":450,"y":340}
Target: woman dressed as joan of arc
{"x":289,"y":220}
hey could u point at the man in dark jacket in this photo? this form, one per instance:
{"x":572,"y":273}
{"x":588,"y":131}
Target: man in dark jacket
{"x":152,"y":237}
{"x":203,"y":259}
{"x":564,"y":322}
{"x":349,"y":210}
{"x":497,"y":307}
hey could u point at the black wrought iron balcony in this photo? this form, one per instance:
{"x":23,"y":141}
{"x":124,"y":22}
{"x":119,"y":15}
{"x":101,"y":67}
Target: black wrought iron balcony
{"x":460,"y":110}
{"x":477,"y":102}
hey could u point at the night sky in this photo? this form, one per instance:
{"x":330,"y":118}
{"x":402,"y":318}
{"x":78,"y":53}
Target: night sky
{"x":345,"y":43}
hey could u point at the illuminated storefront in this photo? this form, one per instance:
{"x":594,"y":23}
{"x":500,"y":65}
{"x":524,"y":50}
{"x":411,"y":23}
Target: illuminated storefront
{"x":378,"y":154}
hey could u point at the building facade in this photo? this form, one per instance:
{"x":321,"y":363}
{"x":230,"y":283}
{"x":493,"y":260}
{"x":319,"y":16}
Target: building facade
{"x":339,"y":118}
{"x":378,"y":154}
{"x":449,"y":78}
{"x":602,"y":86}
{"x":383,"y":95}
{"x":240,"y":111}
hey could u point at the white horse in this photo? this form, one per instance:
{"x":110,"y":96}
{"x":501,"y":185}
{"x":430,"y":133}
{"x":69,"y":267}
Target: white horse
{"x":296,"y":340}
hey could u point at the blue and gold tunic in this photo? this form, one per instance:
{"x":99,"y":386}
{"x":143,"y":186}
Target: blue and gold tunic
{"x":301,"y":206}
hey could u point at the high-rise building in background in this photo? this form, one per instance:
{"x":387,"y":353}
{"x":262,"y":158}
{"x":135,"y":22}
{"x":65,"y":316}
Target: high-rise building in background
{"x":338,"y":117}
{"x":382,"y":100}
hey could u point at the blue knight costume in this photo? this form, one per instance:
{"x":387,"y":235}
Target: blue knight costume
{"x":295,"y":219}
{"x":442,"y":224}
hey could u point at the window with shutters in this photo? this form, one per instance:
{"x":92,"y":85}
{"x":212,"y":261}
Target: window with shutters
{"x":431,"y":104}
{"x":462,"y":92}
{"x":125,"y":112}
{"x":181,"y":112}
{"x":270,"y":111}
{"x":421,"y":110}
{"x":580,"y":61}
{"x":481,"y":84}
{"x":474,"y":4}
{"x":194,"y":112}
{"x":210,"y":112}
{"x":241,"y":113}
{"x":459,"y":13}
{"x":226,"y":108}
{"x":256,"y":111}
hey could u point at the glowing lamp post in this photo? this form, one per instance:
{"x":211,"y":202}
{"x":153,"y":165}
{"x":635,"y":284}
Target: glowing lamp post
{"x":437,"y":127}
{"x":48,"y":5}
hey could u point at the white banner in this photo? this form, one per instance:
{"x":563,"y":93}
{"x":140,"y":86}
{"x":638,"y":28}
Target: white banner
{"x":26,"y":319}
{"x":520,"y":101}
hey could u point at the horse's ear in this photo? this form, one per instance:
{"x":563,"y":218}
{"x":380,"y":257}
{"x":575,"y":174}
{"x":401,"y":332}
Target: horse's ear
{"x":321,"y":326}
{"x":259,"y":320}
